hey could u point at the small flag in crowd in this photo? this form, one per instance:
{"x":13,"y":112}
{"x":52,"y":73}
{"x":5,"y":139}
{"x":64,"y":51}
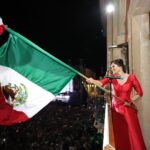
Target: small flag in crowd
{"x":30,"y":78}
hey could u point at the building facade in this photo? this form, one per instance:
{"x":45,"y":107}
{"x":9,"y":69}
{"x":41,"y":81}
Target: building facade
{"x":128,"y":37}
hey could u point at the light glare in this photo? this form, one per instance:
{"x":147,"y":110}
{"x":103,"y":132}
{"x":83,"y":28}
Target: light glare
{"x":110,"y":8}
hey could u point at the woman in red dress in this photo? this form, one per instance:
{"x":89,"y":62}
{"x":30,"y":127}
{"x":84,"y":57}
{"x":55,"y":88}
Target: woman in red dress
{"x":127,"y":131}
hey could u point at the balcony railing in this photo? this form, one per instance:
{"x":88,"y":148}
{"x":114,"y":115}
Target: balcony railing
{"x":108,"y":140}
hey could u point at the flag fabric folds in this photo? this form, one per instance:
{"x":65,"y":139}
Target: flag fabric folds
{"x":30,"y":78}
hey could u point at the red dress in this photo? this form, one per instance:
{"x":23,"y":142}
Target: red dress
{"x":127,"y":131}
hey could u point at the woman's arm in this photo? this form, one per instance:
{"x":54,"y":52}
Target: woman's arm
{"x":138,"y":89}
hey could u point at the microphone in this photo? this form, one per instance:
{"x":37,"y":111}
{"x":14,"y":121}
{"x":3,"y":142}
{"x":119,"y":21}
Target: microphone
{"x":108,"y":70}
{"x":113,"y":77}
{"x":109,"y":74}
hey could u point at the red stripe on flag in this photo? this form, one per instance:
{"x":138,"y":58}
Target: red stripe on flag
{"x":9,"y":116}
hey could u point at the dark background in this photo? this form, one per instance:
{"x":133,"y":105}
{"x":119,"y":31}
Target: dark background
{"x":68,"y":29}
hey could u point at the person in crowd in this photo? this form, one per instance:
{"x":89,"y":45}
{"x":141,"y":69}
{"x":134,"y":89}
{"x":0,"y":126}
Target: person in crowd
{"x":127,"y":131}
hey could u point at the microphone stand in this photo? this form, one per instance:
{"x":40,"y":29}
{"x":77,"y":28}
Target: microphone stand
{"x":110,"y":84}
{"x":110,"y":95}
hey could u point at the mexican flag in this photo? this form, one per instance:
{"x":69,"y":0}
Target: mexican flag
{"x":30,"y":78}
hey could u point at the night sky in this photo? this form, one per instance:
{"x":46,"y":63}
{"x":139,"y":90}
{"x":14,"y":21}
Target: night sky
{"x":69,"y":29}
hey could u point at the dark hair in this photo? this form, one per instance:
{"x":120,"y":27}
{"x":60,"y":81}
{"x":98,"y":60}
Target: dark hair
{"x":119,"y":62}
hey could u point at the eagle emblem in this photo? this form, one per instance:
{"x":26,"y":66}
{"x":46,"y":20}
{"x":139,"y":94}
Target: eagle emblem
{"x":15,"y":94}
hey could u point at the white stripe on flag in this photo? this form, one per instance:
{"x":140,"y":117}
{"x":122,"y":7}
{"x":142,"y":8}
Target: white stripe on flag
{"x":37,"y":96}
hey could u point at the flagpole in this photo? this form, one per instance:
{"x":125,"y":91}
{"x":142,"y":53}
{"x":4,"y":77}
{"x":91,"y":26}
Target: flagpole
{"x":105,"y":90}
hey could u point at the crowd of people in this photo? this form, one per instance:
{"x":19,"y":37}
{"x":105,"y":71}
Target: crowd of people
{"x":59,"y":126}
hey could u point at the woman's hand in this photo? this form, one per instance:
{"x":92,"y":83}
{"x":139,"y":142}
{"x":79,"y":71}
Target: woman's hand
{"x":93,"y":81}
{"x":90,"y":80}
{"x":128,"y":104}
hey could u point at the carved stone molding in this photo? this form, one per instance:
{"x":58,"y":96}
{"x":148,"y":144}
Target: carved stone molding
{"x":138,"y":7}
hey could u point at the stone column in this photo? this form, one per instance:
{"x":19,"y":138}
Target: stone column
{"x":140,"y":65}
